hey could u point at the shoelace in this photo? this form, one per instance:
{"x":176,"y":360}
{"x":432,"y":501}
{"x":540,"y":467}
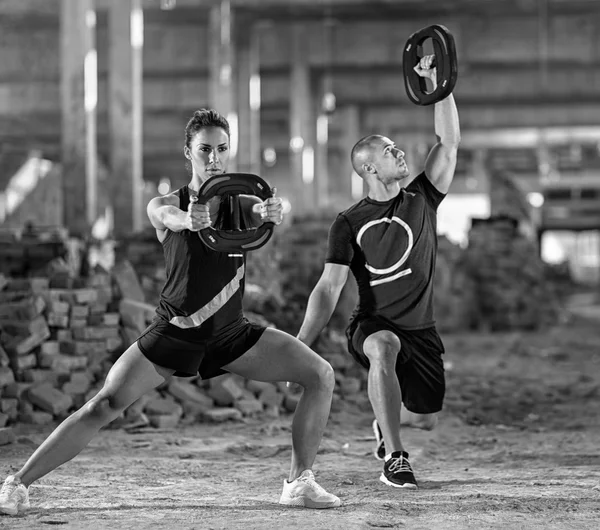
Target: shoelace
{"x":400,"y":465}
{"x":8,"y":488}
{"x":313,"y":483}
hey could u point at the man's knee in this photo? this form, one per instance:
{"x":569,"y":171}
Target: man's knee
{"x":426,"y":422}
{"x":382,"y":348}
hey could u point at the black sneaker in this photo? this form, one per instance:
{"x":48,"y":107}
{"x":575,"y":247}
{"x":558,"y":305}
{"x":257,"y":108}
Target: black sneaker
{"x":398,"y":473}
{"x":379,"y":451}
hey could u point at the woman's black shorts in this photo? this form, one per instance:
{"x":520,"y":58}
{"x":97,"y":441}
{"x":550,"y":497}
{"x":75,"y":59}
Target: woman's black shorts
{"x":419,"y":367}
{"x":189,"y":353}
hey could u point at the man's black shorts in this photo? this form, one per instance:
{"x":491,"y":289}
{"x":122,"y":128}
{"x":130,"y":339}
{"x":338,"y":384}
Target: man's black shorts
{"x":419,"y":366}
{"x":190,"y":354}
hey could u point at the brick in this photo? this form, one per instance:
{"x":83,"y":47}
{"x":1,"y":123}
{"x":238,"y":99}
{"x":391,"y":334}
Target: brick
{"x":13,"y":296}
{"x":3,"y":420}
{"x":290,"y":402}
{"x":7,"y":405}
{"x":49,"y":399}
{"x":249,"y":407}
{"x":50,"y":347}
{"x":24,"y":362}
{"x":136,"y":315}
{"x":100,"y":279}
{"x":256,"y":387}
{"x":105,"y":295}
{"x":4,"y":359}
{"x":98,"y":308}
{"x":81,"y":347}
{"x":95,"y":320}
{"x":62,"y":363}
{"x":58,"y":307}
{"x":35,"y":285}
{"x":79,"y":311}
{"x":111,"y":319}
{"x":219,"y":415}
{"x":3,"y":281}
{"x":36,"y":417}
{"x":64,"y":335}
{"x":85,"y":296}
{"x":127,"y":281}
{"x":113,"y":344}
{"x":24,"y":328}
{"x":75,"y":323}
{"x":7,"y":436}
{"x":95,"y":333}
{"x":75,"y":388}
{"x":272,"y":412}
{"x":129,"y":335}
{"x":350,"y":386}
{"x":6,"y":376}
{"x":164,"y":421}
{"x":23,"y":345}
{"x":57,"y":320}
{"x":26,"y":309}
{"x":163,"y":406}
{"x":16,"y":390}
{"x":224,"y":390}
{"x":39,"y":375}
{"x":189,"y":393}
{"x":271,"y":396}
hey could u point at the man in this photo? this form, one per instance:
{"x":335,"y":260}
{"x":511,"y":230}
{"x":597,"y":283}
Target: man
{"x":388,"y":241}
{"x":199,"y":329}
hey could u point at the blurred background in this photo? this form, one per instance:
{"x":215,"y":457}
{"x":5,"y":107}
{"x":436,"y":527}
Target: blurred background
{"x":95,"y":95}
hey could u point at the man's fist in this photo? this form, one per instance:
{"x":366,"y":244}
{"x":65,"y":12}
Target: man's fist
{"x":270,"y":210}
{"x":424,"y":68}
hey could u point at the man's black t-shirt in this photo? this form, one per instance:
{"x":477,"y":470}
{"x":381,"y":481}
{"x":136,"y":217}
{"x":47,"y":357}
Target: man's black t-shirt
{"x":391,"y":247}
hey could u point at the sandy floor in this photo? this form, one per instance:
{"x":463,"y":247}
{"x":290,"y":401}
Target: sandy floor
{"x":517,"y":447}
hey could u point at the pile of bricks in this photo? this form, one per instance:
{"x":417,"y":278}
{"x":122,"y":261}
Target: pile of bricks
{"x":513,"y":290}
{"x":60,"y":335}
{"x":26,"y":251}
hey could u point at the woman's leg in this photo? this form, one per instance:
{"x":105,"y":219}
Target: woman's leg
{"x":278,"y":356}
{"x":130,"y":377}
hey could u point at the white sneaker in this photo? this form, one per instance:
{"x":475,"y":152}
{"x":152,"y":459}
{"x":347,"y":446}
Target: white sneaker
{"x":14,"y":496}
{"x":304,"y":491}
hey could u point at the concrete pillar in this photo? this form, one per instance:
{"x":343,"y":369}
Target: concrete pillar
{"x":125,"y":27}
{"x":351,"y":187}
{"x":248,"y":96}
{"x":321,"y":187}
{"x":222,"y":93}
{"x":79,"y":97}
{"x":302,"y":123}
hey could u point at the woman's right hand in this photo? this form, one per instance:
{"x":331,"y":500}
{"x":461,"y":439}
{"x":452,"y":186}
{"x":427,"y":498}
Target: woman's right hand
{"x":198,"y":215}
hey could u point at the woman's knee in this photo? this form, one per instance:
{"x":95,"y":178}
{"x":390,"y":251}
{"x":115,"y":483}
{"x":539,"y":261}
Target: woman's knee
{"x":103,"y":407}
{"x":321,"y":375}
{"x":382,"y":348}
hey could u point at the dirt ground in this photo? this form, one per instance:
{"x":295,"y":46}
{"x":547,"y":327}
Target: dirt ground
{"x":517,"y":447}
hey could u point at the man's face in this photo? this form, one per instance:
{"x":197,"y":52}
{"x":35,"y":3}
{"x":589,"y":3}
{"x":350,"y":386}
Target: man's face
{"x":208,"y":152}
{"x":389,"y":161}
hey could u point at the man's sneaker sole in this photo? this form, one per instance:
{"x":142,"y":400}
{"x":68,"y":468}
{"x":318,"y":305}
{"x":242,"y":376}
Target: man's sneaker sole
{"x":406,"y":485}
{"x":305,"y":502}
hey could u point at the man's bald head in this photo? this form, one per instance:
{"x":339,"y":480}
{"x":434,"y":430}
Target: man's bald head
{"x":362,"y":152}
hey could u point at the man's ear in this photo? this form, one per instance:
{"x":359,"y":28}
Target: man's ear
{"x":369,"y":168}
{"x":186,"y":152}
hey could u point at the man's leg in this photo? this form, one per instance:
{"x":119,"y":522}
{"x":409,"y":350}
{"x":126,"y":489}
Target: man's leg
{"x":129,"y":378}
{"x":382,"y":349}
{"x":278,"y":356}
{"x":426,"y":422}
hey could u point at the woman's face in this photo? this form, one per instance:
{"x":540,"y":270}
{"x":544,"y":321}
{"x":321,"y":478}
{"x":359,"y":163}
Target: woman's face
{"x":208,"y":152}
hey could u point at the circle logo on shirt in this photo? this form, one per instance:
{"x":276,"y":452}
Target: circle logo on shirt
{"x":379,"y":271}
